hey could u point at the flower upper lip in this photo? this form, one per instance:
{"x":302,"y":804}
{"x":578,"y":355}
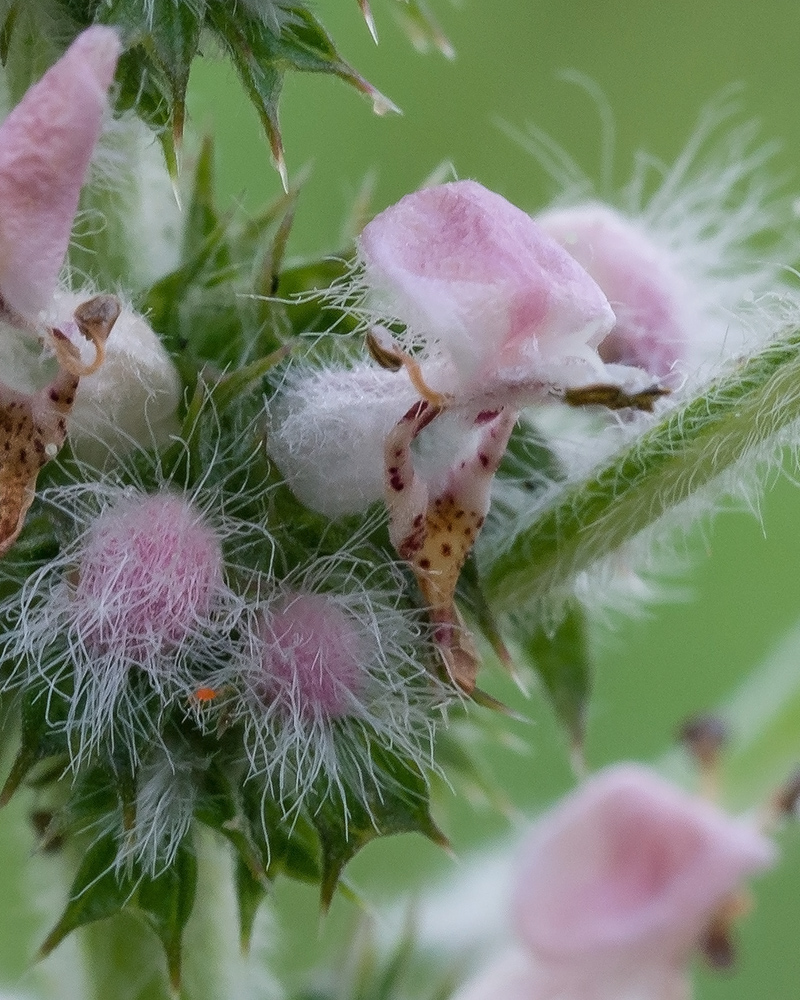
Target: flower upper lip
{"x":46,"y":144}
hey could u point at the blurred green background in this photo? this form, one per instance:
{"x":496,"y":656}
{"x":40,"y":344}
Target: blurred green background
{"x":657,"y":64}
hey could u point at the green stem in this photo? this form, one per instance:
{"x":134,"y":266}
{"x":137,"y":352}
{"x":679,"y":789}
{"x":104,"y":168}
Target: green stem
{"x":741,"y":411}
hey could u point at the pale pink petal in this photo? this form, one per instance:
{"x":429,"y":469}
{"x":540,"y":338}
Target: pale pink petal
{"x":479,"y":280}
{"x":629,"y":870}
{"x":647,"y":294}
{"x":46,"y":144}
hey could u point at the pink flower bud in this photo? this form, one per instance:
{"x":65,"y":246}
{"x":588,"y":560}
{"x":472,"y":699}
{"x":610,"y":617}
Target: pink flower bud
{"x":46,"y":144}
{"x":148,"y":573}
{"x":477,"y":280}
{"x":313,"y":656}
{"x":649,"y":297}
{"x":121,"y":624}
{"x":325,"y":666}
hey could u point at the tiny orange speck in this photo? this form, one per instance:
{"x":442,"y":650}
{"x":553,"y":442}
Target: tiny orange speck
{"x":205,"y":694}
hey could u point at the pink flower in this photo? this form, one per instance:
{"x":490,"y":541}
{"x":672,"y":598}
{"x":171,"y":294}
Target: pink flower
{"x":477,"y":281}
{"x":497,"y":316}
{"x":615,"y":889}
{"x":653,"y":327}
{"x":46,"y":144}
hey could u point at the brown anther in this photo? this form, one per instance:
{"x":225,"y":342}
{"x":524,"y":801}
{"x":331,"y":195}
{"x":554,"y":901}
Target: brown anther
{"x":386,"y":357}
{"x":704,"y":736}
{"x":716,"y":945}
{"x":613,"y":397}
{"x":95,"y":319}
{"x":716,"y":942}
{"x":393,"y":359}
{"x":787,"y":798}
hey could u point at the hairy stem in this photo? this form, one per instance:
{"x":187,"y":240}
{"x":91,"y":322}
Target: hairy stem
{"x":741,"y":411}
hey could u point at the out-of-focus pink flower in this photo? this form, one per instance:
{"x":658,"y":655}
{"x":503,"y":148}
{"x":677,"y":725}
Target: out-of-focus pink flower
{"x":476,"y":281}
{"x":46,"y":144}
{"x":648,"y":295}
{"x":616,"y":888}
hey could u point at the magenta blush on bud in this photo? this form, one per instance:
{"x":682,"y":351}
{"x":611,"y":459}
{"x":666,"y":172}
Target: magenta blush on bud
{"x":312,"y":657}
{"x":148,"y":573}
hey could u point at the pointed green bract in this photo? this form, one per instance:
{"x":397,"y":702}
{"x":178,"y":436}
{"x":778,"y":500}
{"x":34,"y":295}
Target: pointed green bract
{"x":402,"y":806}
{"x":561,"y":660}
{"x":162,"y":38}
{"x":166,"y":902}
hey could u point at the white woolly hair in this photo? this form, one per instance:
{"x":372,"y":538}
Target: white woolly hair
{"x":326,"y":432}
{"x":164,"y":805}
{"x":295,"y":747}
{"x":116,"y":697}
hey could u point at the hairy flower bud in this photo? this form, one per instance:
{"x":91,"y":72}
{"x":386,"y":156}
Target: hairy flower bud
{"x":327,"y":666}
{"x":121,"y":622}
{"x":313,"y":656}
{"x":132,"y":399}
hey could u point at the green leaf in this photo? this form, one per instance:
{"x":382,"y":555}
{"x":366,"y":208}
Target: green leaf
{"x":202,"y":218}
{"x":347,"y":823}
{"x":96,"y":893}
{"x":167,"y":42}
{"x":262,"y":57}
{"x":252,"y":50}
{"x":737,"y":416}
{"x":561,"y":659}
{"x":221,"y":806}
{"x":167,"y":903}
{"x":6,"y":31}
{"x":37,"y":740}
{"x":250,"y":894}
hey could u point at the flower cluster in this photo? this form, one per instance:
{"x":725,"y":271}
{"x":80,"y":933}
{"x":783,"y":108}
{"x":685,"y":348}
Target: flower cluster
{"x":492,"y":315}
{"x":149,"y":631}
{"x":200,"y":612}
